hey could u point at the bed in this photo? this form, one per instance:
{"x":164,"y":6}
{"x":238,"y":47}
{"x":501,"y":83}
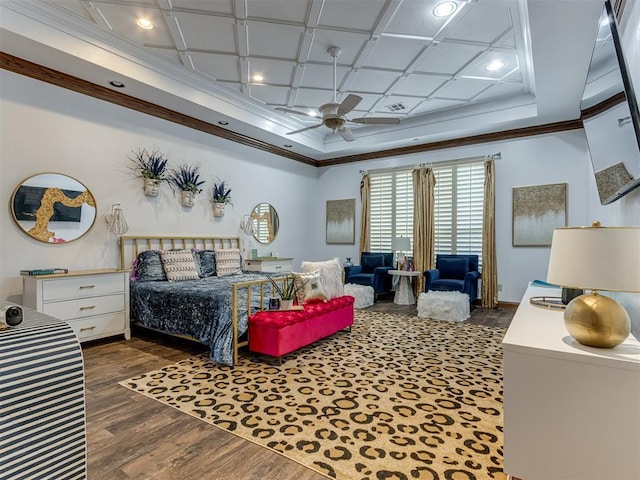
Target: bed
{"x":212,"y":310}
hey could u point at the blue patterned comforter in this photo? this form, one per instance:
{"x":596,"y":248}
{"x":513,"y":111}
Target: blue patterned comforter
{"x":201,"y":309}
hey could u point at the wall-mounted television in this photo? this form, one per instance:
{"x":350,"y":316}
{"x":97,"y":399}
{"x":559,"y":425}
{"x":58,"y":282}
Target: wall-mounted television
{"x":610,"y":116}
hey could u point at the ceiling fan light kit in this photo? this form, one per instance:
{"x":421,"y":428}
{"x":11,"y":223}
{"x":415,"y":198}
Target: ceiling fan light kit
{"x":334,"y":114}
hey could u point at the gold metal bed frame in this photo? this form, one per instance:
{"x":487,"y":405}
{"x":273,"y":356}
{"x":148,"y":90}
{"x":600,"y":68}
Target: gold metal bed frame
{"x":131,"y":246}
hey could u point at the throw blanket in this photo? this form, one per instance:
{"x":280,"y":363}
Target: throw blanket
{"x":200,"y":309}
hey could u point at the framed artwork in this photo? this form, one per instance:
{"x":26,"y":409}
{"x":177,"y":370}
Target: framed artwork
{"x":341,"y":221}
{"x":537,"y":210}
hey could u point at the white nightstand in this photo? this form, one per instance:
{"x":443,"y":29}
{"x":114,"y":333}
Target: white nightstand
{"x":95,"y":303}
{"x":269,"y":265}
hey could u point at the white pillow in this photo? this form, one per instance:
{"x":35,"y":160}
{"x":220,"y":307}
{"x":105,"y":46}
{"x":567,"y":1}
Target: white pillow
{"x":179,"y":265}
{"x":228,"y":261}
{"x":309,"y":286}
{"x":331,"y":274}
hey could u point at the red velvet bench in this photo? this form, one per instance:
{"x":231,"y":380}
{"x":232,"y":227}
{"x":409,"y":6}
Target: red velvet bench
{"x":277,"y":333}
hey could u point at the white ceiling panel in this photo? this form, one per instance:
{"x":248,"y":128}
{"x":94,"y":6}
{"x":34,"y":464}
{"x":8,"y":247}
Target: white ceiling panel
{"x":351,"y":45}
{"x":351,"y":15}
{"x":274,"y":72}
{"x":373,"y":81}
{"x":419,"y":85}
{"x":448,"y":58}
{"x":275,"y":41}
{"x":220,"y":7}
{"x":220,"y":67}
{"x":485,"y":24}
{"x":430,"y":106}
{"x":122,"y":20}
{"x":208,"y":32}
{"x":269,"y":94}
{"x":415,"y":18}
{"x":321,"y":76}
{"x":282,"y":11}
{"x":478,"y":68}
{"x":462,"y":89}
{"x":394,"y":53}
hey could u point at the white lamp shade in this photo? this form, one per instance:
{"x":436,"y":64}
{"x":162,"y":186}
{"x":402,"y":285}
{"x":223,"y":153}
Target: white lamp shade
{"x":401,"y":244}
{"x":596,"y":258}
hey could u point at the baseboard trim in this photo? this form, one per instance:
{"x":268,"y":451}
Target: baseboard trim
{"x":509,"y":305}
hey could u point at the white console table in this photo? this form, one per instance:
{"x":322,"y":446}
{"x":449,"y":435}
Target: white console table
{"x":570,"y":411}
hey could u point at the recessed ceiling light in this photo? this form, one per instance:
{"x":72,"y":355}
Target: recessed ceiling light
{"x":494,"y":65}
{"x":258,"y":78}
{"x":604,"y":22}
{"x":444,"y":9}
{"x":144,"y":23}
{"x":286,"y":145}
{"x":117,"y":84}
{"x":313,"y":113}
{"x":222,"y":122}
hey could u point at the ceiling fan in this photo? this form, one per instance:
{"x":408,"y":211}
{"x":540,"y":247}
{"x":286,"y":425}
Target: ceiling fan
{"x":334,"y":114}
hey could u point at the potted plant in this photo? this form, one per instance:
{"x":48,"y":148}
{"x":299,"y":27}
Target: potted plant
{"x":286,"y":290}
{"x":187,"y":179}
{"x":220,"y":197}
{"x":152,"y":168}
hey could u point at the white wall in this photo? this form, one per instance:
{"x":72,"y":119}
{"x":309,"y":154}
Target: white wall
{"x":543,"y":159}
{"x":50,"y":129}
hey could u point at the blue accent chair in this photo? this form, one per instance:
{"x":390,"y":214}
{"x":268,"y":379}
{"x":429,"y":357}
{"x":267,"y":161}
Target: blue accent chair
{"x":373,"y":271}
{"x":454,"y":273}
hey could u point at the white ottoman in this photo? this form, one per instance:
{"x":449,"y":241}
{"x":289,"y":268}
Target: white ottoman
{"x":450,"y":306}
{"x":362,"y":293}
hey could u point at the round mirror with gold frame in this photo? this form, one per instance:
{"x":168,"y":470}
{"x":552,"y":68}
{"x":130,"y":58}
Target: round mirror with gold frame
{"x":265,"y":223}
{"x":53,"y":208}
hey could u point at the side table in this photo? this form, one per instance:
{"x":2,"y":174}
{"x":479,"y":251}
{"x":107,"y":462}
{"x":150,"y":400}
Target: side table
{"x":404,"y":290}
{"x":42,"y":411}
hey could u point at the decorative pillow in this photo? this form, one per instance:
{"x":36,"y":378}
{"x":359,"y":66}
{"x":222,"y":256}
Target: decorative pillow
{"x":149,"y":267}
{"x":331,"y":274}
{"x":371,"y":262}
{"x":309,"y":287}
{"x":228,"y":261}
{"x":205,"y":262}
{"x":179,"y":265}
{"x":455,"y":268}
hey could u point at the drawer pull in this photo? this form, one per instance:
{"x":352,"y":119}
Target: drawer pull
{"x":87,"y":328}
{"x":278,"y":267}
{"x":87,"y":286}
{"x":88,"y":308}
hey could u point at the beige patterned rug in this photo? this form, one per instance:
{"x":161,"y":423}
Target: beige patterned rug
{"x":398,"y":398}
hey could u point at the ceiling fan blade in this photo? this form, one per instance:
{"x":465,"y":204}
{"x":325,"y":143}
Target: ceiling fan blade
{"x":376,"y":120}
{"x":346,"y":134}
{"x":295,"y":112}
{"x":349,"y":104}
{"x":304,"y":129}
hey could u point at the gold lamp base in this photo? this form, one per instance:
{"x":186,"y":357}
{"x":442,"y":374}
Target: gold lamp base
{"x":597,"y":321}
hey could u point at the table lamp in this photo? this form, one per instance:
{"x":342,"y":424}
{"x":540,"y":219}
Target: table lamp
{"x":401,"y":244}
{"x":596,"y":258}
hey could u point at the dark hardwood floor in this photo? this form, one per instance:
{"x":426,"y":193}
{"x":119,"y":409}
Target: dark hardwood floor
{"x":133,"y":437}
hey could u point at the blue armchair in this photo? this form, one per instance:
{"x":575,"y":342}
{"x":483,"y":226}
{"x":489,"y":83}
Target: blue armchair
{"x":373,"y":271}
{"x":454,"y":273}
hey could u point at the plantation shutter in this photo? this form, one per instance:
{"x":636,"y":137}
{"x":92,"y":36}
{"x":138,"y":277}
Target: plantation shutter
{"x":459,"y":197}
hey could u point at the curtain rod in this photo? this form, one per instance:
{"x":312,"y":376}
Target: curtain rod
{"x":444,"y":163}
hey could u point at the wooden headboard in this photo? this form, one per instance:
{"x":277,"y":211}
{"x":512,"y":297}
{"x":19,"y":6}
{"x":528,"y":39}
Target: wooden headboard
{"x":131,"y":246}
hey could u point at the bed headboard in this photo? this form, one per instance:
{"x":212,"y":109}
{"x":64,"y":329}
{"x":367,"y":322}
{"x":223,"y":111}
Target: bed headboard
{"x":131,"y":246}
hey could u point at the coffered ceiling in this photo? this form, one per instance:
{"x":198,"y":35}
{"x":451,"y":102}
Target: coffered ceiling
{"x":490,"y":65}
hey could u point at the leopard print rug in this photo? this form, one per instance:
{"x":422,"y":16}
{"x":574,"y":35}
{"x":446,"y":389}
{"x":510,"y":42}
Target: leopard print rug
{"x":398,"y":398}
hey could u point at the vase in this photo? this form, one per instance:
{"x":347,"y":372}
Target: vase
{"x":286,"y":304}
{"x":188,"y":198}
{"x":218,"y":209}
{"x":151,"y":187}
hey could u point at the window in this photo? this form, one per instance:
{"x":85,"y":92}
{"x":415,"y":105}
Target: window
{"x":459,"y":198}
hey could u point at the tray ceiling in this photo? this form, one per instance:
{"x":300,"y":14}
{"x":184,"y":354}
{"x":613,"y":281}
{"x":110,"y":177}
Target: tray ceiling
{"x":235,"y":61}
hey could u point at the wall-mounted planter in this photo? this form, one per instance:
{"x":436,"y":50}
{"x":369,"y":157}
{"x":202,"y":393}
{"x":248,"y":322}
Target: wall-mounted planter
{"x":151,"y":187}
{"x":218,"y":209}
{"x":187,"y":198}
